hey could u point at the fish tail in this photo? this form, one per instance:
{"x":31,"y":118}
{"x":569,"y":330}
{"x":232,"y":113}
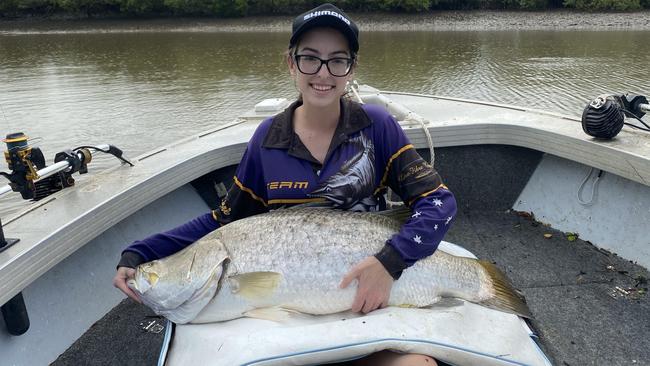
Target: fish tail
{"x":506,"y":297}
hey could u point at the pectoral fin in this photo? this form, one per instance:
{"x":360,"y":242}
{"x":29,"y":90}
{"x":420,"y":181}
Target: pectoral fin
{"x":255,"y":285}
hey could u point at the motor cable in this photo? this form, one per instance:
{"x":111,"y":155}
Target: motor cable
{"x":112,"y":150}
{"x":637,"y":118}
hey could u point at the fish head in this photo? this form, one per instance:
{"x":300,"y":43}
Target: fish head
{"x":183,"y":282}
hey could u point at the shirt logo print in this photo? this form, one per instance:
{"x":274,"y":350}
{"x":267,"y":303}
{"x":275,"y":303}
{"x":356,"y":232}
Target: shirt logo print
{"x":287,"y":185}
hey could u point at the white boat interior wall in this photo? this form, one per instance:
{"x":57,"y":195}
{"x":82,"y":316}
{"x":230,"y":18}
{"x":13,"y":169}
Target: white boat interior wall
{"x":618,"y":204}
{"x":492,"y":157}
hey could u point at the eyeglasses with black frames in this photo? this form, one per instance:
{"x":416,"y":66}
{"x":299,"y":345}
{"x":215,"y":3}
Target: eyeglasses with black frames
{"x":310,"y":65}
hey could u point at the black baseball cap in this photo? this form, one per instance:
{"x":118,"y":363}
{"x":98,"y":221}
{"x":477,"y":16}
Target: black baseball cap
{"x":326,"y":15}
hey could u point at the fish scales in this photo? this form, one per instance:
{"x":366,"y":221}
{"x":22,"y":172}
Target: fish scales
{"x":294,"y":260}
{"x":313,"y":250}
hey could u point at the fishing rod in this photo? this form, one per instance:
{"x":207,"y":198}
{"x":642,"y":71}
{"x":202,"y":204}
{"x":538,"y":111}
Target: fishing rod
{"x":604,"y":116}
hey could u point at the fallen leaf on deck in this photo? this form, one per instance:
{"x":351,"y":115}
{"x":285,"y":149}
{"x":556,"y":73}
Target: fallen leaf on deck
{"x":571,"y":236}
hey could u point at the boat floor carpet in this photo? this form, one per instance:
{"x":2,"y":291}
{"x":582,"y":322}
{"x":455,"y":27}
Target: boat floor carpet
{"x":588,"y":304}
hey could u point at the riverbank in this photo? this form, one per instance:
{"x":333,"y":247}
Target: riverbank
{"x":433,"y":21}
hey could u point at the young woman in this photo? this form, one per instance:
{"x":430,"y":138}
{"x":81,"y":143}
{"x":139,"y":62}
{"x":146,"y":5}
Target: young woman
{"x":325,"y":147}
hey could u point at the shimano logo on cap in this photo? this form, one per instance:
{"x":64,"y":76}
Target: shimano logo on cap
{"x":326,"y":12}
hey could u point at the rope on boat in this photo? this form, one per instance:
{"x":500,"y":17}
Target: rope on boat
{"x":594,"y":187}
{"x":354,"y":88}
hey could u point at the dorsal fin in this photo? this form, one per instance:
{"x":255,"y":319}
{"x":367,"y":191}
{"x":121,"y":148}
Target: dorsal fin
{"x":400,"y":214}
{"x":316,"y":203}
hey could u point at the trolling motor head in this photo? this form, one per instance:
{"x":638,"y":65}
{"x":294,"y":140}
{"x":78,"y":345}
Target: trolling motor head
{"x":604,"y":116}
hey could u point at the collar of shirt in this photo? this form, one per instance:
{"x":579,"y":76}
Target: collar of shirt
{"x":281,"y":135}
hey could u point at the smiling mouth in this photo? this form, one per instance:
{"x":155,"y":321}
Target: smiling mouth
{"x":322,"y":87}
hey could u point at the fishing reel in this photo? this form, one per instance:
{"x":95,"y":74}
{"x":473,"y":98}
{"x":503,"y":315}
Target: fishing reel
{"x":26,"y":161}
{"x":33,"y":179}
{"x":604,"y":116}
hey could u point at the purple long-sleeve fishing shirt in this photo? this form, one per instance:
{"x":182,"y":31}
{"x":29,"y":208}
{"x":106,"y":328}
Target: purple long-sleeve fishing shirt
{"x":368,"y":153}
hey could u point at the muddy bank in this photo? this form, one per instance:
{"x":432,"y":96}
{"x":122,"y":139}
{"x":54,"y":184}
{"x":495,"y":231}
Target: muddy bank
{"x":434,"y":21}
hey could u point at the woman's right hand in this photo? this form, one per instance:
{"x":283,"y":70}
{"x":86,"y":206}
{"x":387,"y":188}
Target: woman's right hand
{"x":124,"y":274}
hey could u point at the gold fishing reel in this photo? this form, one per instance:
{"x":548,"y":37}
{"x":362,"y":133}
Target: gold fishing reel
{"x":24,"y":161}
{"x":19,"y":153}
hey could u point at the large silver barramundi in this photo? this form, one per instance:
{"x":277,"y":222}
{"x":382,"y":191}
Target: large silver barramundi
{"x":293,"y":260}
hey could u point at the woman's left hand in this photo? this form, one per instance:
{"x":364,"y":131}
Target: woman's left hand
{"x":374,"y":286}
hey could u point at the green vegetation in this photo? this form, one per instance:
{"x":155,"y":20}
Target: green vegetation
{"x":619,"y":5}
{"x":236,"y":8}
